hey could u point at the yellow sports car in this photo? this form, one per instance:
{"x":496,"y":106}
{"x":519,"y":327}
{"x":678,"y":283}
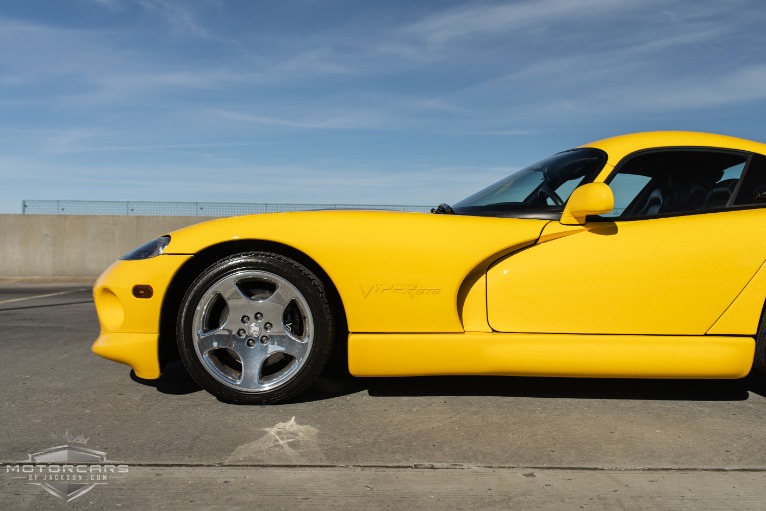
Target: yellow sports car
{"x":637,"y":256}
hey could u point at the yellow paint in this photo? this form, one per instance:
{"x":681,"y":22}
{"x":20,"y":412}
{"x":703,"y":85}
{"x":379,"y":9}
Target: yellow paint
{"x":121,"y":312}
{"x":130,"y":325}
{"x":618,"y":147}
{"x":742,"y":317}
{"x":588,"y":199}
{"x":395,"y":272}
{"x":671,"y":276}
{"x":111,"y":313}
{"x":139,"y":351}
{"x":473,"y":312}
{"x":602,"y":356}
{"x":556,"y":230}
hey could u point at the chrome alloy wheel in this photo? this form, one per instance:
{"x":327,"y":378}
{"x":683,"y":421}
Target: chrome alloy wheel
{"x":252,"y":330}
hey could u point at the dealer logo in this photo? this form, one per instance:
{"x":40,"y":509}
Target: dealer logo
{"x":69,"y":470}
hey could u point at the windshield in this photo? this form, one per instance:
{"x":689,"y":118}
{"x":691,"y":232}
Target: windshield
{"x":538,"y":191}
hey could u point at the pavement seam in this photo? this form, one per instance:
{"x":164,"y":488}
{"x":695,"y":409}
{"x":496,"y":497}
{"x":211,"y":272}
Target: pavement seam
{"x":426,"y":466}
{"x":46,"y":295}
{"x":25,"y":307}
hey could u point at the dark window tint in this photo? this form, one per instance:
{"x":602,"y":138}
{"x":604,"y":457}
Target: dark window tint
{"x":753,"y":188}
{"x":673,"y":181}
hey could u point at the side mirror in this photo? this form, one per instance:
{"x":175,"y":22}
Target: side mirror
{"x":590,"y":199}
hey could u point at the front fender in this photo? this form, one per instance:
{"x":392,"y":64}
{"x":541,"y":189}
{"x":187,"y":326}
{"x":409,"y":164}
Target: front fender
{"x":394,"y":271}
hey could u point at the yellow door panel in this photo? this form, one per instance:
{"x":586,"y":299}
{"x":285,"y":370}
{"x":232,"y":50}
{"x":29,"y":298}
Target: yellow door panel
{"x":673,"y":275}
{"x":742,"y":316}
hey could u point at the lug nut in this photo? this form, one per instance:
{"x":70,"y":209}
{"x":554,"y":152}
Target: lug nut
{"x":241,"y":332}
{"x":267,"y":326}
{"x":244,"y":319}
{"x":265,"y":339}
{"x":258,"y":316}
{"x":251,"y":342}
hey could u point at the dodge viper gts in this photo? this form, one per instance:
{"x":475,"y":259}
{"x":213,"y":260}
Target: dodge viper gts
{"x":638,"y":256}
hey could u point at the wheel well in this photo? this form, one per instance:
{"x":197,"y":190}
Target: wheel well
{"x":168,"y":348}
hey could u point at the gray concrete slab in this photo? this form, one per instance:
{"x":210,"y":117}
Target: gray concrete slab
{"x":458,"y":428}
{"x":354,"y":488}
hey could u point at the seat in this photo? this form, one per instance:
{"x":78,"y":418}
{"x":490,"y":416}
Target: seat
{"x":667,"y":195}
{"x":649,"y":201}
{"x":720,"y":194}
{"x":684,"y":195}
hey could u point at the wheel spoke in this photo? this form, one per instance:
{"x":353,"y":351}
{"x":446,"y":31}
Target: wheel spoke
{"x":239,"y":306}
{"x":217,"y":339}
{"x":285,"y":343}
{"x":252,"y":364}
{"x":274,"y":306}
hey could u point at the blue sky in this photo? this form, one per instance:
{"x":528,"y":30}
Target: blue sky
{"x":387,"y":102}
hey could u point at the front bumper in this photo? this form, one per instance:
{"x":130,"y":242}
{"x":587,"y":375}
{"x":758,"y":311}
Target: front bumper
{"x":139,"y":351}
{"x":130,"y":326}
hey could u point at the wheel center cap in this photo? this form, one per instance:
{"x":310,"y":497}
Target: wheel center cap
{"x":255,"y":329}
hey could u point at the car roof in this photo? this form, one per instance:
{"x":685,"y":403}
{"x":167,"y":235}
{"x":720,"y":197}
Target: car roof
{"x":620,"y":146}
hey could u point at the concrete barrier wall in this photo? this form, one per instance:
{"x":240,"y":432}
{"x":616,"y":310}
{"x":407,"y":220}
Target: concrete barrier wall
{"x":75,"y":245}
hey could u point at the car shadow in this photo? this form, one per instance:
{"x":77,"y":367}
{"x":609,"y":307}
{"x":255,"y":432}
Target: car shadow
{"x":569,"y":388}
{"x":537,"y":387}
{"x":175,"y":380}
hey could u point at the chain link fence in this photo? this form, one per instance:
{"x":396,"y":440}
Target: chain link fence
{"x":207,"y":209}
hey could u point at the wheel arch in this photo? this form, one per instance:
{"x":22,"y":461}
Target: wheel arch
{"x":191,"y":269}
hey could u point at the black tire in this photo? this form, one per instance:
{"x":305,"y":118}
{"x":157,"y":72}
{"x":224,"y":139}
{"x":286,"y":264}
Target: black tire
{"x":759,"y":361}
{"x":235,"y":342}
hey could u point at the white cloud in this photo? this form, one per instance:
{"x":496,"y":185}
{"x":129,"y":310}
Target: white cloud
{"x":353,"y":119}
{"x":112,"y":5}
{"x":739,"y":85}
{"x":488,"y":19}
{"x":180,"y":18}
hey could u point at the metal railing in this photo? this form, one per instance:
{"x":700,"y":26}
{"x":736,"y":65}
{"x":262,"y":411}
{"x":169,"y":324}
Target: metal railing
{"x":207,"y":209}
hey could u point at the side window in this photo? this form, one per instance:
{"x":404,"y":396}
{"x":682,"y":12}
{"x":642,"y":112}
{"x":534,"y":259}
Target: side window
{"x":673,"y":181}
{"x":625,"y":188}
{"x":753,"y":188}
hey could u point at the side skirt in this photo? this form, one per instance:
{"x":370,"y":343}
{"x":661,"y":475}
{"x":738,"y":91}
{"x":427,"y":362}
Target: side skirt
{"x":565,"y":355}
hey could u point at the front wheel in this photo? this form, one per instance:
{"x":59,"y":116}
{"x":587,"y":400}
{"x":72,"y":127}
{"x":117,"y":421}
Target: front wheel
{"x":255,"y":328}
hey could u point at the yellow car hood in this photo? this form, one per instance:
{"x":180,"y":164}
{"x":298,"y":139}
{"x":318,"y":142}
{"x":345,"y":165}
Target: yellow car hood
{"x":394,"y":271}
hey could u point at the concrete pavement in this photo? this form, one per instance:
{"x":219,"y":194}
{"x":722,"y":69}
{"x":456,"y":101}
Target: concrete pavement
{"x":447,"y":443}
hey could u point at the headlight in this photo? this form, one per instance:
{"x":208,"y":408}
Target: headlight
{"x":148,"y":250}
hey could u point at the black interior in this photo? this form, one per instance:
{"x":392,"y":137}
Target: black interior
{"x":681,"y":180}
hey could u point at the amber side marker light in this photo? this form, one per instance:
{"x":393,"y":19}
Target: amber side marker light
{"x":143,"y":291}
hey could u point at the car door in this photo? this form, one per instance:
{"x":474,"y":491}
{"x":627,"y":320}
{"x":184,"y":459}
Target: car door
{"x":684,"y":239}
